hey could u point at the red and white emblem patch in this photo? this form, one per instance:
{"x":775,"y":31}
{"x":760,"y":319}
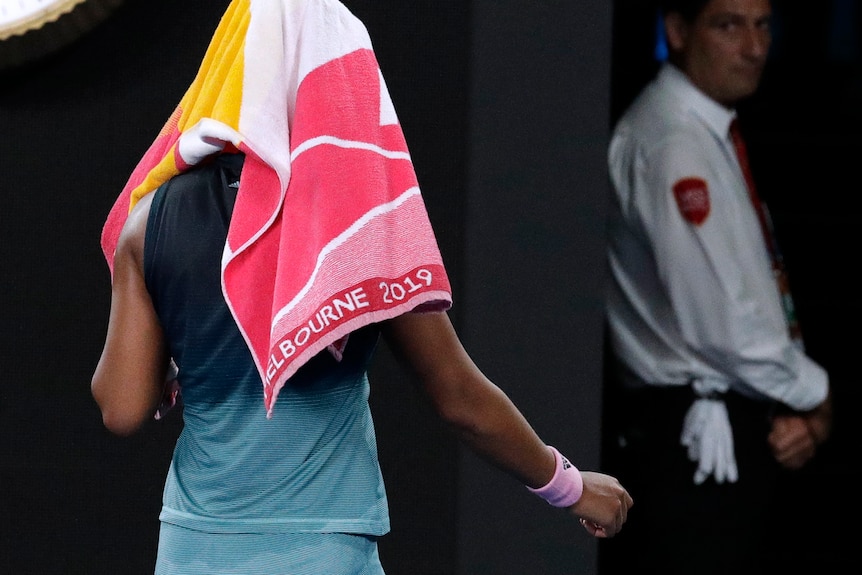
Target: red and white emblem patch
{"x":692,"y":198}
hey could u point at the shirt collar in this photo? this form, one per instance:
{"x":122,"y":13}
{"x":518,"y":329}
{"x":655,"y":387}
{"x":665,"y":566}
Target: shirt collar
{"x":716,"y":116}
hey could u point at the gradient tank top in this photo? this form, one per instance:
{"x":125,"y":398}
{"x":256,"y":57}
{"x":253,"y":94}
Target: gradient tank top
{"x":313,"y":466}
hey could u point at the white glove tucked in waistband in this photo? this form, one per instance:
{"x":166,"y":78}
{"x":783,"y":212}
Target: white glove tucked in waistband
{"x":707,"y":434}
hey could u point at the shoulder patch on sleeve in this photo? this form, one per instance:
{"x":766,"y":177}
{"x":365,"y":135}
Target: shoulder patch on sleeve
{"x":692,"y":198}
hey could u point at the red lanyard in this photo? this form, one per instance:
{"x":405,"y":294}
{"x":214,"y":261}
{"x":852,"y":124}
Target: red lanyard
{"x":768,"y":234}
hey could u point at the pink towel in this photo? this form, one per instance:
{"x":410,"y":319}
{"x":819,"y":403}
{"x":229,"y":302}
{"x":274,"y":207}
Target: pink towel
{"x":329,"y":232}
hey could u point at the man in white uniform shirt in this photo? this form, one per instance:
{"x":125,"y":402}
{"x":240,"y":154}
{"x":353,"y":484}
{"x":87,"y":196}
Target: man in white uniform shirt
{"x":716,"y":394}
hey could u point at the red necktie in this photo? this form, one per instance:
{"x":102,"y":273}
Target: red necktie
{"x":768,"y":235}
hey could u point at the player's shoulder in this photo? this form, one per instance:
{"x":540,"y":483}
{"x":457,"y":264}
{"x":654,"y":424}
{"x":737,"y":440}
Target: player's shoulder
{"x":135,"y":227}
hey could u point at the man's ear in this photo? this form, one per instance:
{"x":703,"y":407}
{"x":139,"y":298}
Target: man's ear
{"x":676,"y":30}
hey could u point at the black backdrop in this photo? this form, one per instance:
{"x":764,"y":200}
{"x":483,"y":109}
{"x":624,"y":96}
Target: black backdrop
{"x":506,"y":108}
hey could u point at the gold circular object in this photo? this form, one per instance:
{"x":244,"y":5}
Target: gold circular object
{"x":31,"y":29}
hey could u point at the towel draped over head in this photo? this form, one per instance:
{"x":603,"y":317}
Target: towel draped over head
{"x":329,"y":231}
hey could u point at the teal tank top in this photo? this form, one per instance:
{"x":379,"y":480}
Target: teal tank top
{"x":311,"y":468}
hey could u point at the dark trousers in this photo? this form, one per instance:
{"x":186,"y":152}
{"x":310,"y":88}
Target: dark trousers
{"x":676,"y":527}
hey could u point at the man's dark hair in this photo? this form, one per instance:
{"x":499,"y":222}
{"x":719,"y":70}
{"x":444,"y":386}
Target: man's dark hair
{"x":688,"y":9}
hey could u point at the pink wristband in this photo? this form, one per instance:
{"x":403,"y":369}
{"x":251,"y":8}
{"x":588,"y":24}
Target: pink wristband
{"x":565,"y":487}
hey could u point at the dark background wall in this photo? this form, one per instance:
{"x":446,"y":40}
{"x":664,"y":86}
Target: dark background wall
{"x":533,"y":255}
{"x":506,"y":107}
